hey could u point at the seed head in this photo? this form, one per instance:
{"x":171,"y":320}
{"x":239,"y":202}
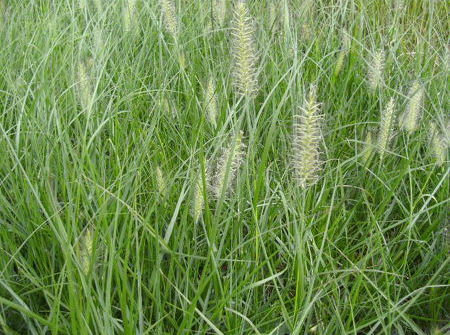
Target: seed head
{"x":211,"y":102}
{"x":438,"y":145}
{"x":376,"y":68}
{"x":244,"y":51}
{"x":386,"y":127}
{"x":220,"y":11}
{"x":223,"y":176}
{"x":85,"y":249}
{"x":170,"y":18}
{"x":161,"y":182}
{"x":198,"y":200}
{"x":447,"y":134}
{"x":368,"y":147}
{"x":307,"y":137}
{"x":84,"y":85}
{"x":409,"y":121}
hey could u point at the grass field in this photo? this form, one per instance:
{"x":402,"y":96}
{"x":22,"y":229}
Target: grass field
{"x":224,"y":167}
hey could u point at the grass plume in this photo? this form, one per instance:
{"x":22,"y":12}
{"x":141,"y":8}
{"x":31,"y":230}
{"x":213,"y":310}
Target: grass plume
{"x":84,"y":85}
{"x":220,"y":11}
{"x":244,"y":51}
{"x":170,"y":17}
{"x":439,"y":145}
{"x":85,"y":249}
{"x":386,"y":127}
{"x":224,"y":173}
{"x":198,"y":201}
{"x":211,"y":102}
{"x":409,"y":120}
{"x":307,"y":138}
{"x":376,"y":68}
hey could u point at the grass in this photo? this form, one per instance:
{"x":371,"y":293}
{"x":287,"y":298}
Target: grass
{"x":105,"y":142}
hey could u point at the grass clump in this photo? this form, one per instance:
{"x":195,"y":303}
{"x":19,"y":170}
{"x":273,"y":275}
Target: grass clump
{"x":154,"y":180}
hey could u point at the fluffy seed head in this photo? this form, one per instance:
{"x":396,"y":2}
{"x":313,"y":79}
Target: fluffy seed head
{"x":411,"y":117}
{"x":386,"y":127}
{"x":85,"y":249}
{"x":170,"y":17}
{"x":438,"y":145}
{"x":211,"y":102}
{"x":84,"y":85}
{"x":198,"y":200}
{"x":376,"y":67}
{"x":447,"y":133}
{"x":161,"y":182}
{"x":223,"y":176}
{"x":244,"y":51}
{"x":220,"y":11}
{"x":130,"y":15}
{"x":307,"y":137}
{"x":346,"y":42}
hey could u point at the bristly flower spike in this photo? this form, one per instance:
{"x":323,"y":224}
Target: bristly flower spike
{"x":170,"y":17}
{"x":307,"y":138}
{"x":220,"y":11}
{"x":85,"y":249}
{"x":376,"y":68}
{"x":409,"y":121}
{"x":198,"y":201}
{"x":224,"y":176}
{"x":439,"y":146}
{"x":211,"y":102}
{"x":244,"y":51}
{"x":386,"y":127}
{"x":161,"y":182}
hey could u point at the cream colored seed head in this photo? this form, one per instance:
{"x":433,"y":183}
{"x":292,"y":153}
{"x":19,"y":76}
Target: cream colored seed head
{"x":244,"y":51}
{"x":86,"y":247}
{"x":226,"y":170}
{"x":198,"y":201}
{"x":376,"y":68}
{"x":307,"y":138}
{"x":411,"y":117}
{"x":161,"y":182}
{"x":220,"y":11}
{"x":211,"y":102}
{"x":84,"y":86}
{"x":170,"y":17}
{"x":438,"y":145}
{"x":447,"y":134}
{"x":386,"y":127}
